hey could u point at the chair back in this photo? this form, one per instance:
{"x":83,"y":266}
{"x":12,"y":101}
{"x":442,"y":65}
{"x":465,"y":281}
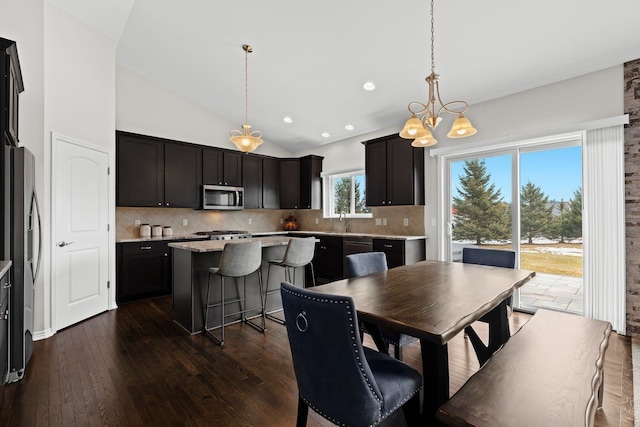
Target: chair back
{"x":240,"y":259}
{"x":300,"y":251}
{"x":492,"y":257}
{"x":333,"y":375}
{"x":365,"y":263}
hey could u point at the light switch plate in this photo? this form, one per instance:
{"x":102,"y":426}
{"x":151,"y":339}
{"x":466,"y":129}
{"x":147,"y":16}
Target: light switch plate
{"x":378,"y":221}
{"x":185,"y":222}
{"x":384,"y":221}
{"x":136,"y":223}
{"x":405,"y":222}
{"x":250,"y":221}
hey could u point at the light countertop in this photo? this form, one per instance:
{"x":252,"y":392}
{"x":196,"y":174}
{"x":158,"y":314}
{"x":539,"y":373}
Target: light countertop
{"x":349,"y":234}
{"x":4,"y":267}
{"x":163,"y":238}
{"x":218,"y":245}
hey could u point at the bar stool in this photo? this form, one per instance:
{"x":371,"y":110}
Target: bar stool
{"x":299,"y":253}
{"x":237,"y":260}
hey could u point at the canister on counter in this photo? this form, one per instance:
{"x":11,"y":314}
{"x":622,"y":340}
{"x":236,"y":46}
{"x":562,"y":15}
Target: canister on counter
{"x":156,"y":231}
{"x":145,"y":230}
{"x":167,"y":231}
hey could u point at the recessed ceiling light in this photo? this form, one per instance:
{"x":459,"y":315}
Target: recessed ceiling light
{"x":369,"y":86}
{"x":325,"y":135}
{"x":288,"y":119}
{"x":349,"y":127}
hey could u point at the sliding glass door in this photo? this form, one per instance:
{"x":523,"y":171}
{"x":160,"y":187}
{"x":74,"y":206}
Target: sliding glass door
{"x":528,"y":200}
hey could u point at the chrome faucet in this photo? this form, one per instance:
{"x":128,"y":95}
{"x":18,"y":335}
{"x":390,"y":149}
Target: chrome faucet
{"x":343,"y":217}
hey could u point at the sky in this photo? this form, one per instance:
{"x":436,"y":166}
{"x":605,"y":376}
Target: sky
{"x":557,"y":172}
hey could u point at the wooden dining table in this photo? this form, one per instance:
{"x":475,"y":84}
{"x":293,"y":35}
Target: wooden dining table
{"x":434,"y":301}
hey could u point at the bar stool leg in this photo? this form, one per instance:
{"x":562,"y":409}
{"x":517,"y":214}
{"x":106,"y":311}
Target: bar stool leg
{"x":267,"y":292}
{"x":222,"y":311}
{"x":313,"y":275}
{"x":206,"y":305}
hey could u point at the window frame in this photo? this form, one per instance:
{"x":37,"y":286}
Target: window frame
{"x":328,"y":184}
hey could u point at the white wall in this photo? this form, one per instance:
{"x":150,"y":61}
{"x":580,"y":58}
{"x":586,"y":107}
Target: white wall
{"x":144,"y":107}
{"x":535,"y":112}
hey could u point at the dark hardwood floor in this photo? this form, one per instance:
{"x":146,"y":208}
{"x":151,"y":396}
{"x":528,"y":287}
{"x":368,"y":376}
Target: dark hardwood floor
{"x":134,"y":366}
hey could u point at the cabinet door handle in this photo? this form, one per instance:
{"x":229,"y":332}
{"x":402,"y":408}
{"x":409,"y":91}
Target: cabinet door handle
{"x":145,"y":248}
{"x":387,"y":246}
{"x":383,"y":202}
{"x":5,"y":315}
{"x":159,"y":203}
{"x":7,"y":285}
{"x":166,"y":254}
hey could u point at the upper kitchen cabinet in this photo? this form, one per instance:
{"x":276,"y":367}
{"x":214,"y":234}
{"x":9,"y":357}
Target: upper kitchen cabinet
{"x":261,"y":178}
{"x":289,"y":183}
{"x":300,"y":183}
{"x":11,"y":83}
{"x":153,"y":172}
{"x":221,"y":167}
{"x":394,"y":172}
{"x":311,"y":182}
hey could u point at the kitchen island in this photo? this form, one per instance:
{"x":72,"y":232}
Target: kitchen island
{"x":191,"y":263}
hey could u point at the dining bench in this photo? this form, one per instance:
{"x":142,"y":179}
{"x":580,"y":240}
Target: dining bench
{"x":549,"y":373}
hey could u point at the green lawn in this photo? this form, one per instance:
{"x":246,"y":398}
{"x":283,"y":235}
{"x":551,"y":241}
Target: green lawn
{"x":532,"y":258}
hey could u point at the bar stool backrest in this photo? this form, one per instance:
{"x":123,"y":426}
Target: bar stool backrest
{"x":300,"y":251}
{"x":240,"y":259}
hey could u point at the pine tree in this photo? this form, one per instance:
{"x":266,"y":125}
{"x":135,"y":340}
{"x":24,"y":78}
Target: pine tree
{"x":342,"y":195}
{"x":573,"y":221}
{"x":479,"y":212}
{"x":535,"y":212}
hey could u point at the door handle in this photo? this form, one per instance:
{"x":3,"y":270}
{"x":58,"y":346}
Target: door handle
{"x":63,"y":244}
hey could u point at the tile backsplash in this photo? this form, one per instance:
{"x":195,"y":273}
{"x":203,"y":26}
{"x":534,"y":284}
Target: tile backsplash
{"x":257,"y":220}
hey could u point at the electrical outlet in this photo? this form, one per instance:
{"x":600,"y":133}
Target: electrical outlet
{"x":384,"y":221}
{"x":405,"y":222}
{"x":316,"y":220}
{"x":136,"y":223}
{"x":250,"y":221}
{"x":281,"y":221}
{"x":378,"y":221}
{"x":185,"y":222}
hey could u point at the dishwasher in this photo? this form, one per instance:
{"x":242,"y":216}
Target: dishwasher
{"x":354,"y":245}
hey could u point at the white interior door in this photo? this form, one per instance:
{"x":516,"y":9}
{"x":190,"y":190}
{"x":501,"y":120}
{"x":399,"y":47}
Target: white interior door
{"x":80,"y":202}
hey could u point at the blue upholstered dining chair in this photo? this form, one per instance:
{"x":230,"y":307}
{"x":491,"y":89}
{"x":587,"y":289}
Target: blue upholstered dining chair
{"x":366,"y":263}
{"x":337,"y":377}
{"x":493,"y":258}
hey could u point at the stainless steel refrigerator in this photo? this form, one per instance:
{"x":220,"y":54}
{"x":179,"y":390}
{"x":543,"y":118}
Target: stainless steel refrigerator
{"x":25,"y":229}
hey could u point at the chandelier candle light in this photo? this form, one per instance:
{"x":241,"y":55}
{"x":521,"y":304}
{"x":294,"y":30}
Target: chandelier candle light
{"x":246,"y":140}
{"x":423,"y":115}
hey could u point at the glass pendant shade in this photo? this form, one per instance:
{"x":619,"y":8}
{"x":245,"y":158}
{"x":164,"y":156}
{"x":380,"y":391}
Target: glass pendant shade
{"x":413,"y":128}
{"x":461,"y":128}
{"x":425,"y":141}
{"x":246,"y":141}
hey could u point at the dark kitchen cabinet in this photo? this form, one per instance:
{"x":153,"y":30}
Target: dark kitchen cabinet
{"x":156,"y":172}
{"x":221,"y":167}
{"x":301,"y":183}
{"x":328,"y":259}
{"x":394,"y":172}
{"x":261,"y":179}
{"x":182,"y":175}
{"x":401,"y":252}
{"x":143,"y":270}
{"x":12,"y":85}
{"x":289,"y":183}
{"x":310,"y":182}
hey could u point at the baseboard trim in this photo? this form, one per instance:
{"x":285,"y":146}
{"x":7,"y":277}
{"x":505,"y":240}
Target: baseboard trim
{"x":41,"y":335}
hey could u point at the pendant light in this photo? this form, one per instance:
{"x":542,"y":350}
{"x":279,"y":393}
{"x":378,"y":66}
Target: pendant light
{"x":425,"y":116}
{"x":246,"y":140}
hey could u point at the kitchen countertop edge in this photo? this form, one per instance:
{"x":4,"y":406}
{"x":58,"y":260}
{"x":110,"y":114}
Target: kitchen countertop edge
{"x":4,"y":267}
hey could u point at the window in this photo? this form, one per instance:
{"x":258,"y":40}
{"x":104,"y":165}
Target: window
{"x":345,"y":192}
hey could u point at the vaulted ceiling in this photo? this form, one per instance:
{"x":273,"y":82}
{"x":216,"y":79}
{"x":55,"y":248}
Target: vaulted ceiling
{"x":311,"y":59}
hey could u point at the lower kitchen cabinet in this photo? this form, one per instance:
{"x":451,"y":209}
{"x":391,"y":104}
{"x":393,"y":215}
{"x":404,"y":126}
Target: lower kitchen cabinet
{"x":328,"y":259}
{"x":401,"y":252}
{"x":143,"y":270}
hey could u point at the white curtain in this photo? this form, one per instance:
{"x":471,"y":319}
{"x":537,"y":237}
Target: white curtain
{"x":603,"y":224}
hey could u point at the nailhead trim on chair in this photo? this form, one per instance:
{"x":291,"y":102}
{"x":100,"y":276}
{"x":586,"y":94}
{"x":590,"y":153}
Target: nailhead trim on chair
{"x":353,"y":338}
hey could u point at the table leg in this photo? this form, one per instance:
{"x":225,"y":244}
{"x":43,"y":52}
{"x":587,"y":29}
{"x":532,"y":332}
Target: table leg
{"x":435,"y":372}
{"x":498,"y":333}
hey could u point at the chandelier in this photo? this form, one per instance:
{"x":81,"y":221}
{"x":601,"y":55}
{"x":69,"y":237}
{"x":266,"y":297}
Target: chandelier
{"x":425,"y":116}
{"x":246,"y":140}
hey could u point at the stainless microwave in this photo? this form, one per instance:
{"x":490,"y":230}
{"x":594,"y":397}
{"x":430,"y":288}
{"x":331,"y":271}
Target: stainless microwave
{"x":222,"y":197}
